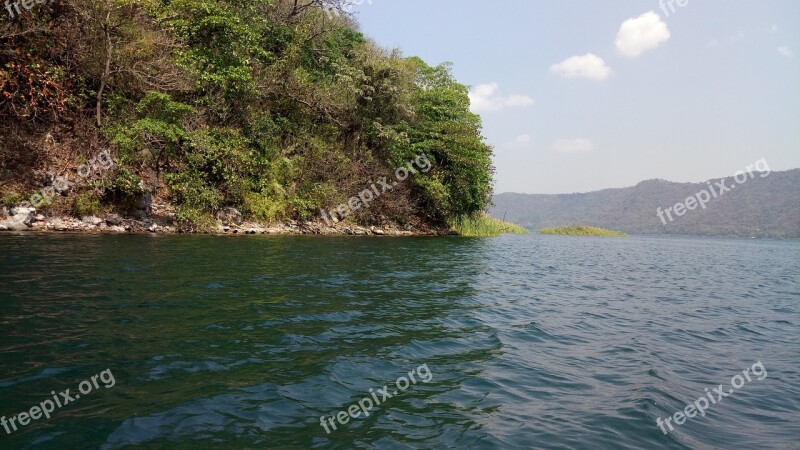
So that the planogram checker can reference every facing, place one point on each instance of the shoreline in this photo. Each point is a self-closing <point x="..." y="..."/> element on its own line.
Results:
<point x="115" y="224"/>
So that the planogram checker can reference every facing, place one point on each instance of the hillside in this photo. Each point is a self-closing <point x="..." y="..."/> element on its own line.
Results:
<point x="762" y="207"/>
<point x="188" y="111"/>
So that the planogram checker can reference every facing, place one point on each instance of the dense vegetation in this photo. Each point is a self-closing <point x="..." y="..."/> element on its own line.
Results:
<point x="274" y="107"/>
<point x="484" y="225"/>
<point x="582" y="230"/>
<point x="762" y="207"/>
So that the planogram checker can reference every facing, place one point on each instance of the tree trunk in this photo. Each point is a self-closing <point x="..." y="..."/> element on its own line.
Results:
<point x="107" y="68"/>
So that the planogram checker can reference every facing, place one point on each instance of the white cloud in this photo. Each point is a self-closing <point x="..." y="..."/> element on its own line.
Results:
<point x="640" y="34"/>
<point x="785" y="51"/>
<point x="587" y="66"/>
<point x="486" y="97"/>
<point x="519" y="141"/>
<point x="580" y="145"/>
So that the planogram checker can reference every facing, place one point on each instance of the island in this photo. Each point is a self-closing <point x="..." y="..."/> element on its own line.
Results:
<point x="582" y="230"/>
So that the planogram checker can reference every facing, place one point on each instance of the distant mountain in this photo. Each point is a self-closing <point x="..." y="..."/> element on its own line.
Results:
<point x="761" y="206"/>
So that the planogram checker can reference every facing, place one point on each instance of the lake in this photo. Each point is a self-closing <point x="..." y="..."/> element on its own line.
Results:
<point x="551" y="342"/>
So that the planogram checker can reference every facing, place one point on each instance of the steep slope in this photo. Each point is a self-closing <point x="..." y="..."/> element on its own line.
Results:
<point x="277" y="108"/>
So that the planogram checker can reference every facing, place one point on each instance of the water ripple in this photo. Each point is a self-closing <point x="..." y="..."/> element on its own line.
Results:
<point x="544" y="342"/>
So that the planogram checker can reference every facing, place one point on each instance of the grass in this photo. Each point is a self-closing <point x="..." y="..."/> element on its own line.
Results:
<point x="582" y="231"/>
<point x="485" y="226"/>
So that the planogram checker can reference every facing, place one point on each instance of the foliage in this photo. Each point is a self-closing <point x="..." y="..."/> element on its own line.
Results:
<point x="483" y="225"/>
<point x="191" y="217"/>
<point x="10" y="199"/>
<point x="156" y="131"/>
<point x="32" y="90"/>
<point x="124" y="189"/>
<point x="270" y="106"/>
<point x="582" y="231"/>
<point x="86" y="204"/>
<point x="445" y="128"/>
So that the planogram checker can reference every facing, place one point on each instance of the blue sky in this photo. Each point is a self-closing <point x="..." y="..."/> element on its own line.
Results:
<point x="576" y="97"/>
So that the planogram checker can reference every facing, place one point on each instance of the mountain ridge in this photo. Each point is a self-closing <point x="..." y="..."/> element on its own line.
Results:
<point x="763" y="206"/>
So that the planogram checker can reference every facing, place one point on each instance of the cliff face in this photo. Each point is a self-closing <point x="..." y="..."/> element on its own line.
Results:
<point x="761" y="206"/>
<point x="278" y="109"/>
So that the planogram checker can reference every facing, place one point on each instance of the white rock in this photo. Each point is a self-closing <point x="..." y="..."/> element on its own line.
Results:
<point x="92" y="220"/>
<point x="58" y="224"/>
<point x="26" y="218"/>
<point x="14" y="224"/>
<point x="22" y="210"/>
<point x="22" y="219"/>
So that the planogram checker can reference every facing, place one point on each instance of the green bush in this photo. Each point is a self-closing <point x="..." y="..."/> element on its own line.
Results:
<point x="265" y="208"/>
<point x="155" y="133"/>
<point x="123" y="190"/>
<point x="195" y="218"/>
<point x="11" y="199"/>
<point x="86" y="204"/>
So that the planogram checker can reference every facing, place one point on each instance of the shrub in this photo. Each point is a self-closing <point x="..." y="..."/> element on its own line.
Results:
<point x="123" y="190"/>
<point x="264" y="207"/>
<point x="86" y="204"/>
<point x="10" y="199"/>
<point x="157" y="132"/>
<point x="195" y="218"/>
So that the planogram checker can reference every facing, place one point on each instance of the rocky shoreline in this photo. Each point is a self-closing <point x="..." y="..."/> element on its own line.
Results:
<point x="22" y="219"/>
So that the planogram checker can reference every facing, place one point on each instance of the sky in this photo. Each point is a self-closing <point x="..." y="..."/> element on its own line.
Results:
<point x="582" y="95"/>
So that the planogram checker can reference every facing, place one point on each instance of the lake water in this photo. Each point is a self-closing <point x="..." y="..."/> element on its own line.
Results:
<point x="524" y="341"/>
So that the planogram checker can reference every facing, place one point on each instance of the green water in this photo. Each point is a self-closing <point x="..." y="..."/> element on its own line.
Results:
<point x="531" y="341"/>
